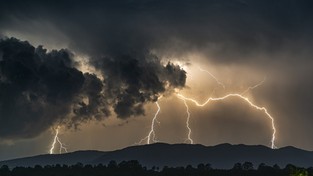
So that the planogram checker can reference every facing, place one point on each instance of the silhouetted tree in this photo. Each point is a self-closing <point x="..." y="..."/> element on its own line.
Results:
<point x="78" y="165"/>
<point x="237" y="166"/>
<point x="262" y="166"/>
<point x="208" y="167"/>
<point x="134" y="168"/>
<point x="310" y="171"/>
<point x="275" y="166"/>
<point x="112" y="164"/>
<point x="247" y="166"/>
<point x="4" y="170"/>
<point x="201" y="167"/>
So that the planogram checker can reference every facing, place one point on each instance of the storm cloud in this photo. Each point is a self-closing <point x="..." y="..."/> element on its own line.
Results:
<point x="130" y="82"/>
<point x="37" y="88"/>
<point x="130" y="43"/>
<point x="229" y="30"/>
<point x="40" y="88"/>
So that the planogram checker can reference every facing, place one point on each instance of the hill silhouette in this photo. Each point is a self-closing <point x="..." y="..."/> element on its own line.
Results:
<point x="222" y="156"/>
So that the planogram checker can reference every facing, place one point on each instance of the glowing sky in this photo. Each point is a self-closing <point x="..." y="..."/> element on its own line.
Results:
<point x="121" y="56"/>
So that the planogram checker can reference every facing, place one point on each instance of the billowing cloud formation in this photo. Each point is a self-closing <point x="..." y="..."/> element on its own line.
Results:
<point x="131" y="82"/>
<point x="257" y="37"/>
<point x="37" y="87"/>
<point x="40" y="88"/>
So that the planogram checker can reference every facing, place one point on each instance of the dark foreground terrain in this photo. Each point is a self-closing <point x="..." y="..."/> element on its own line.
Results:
<point x="174" y="155"/>
<point x="134" y="168"/>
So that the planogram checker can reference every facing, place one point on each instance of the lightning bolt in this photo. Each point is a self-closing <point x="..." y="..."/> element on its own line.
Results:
<point x="253" y="87"/>
<point x="273" y="146"/>
<point x="56" y="139"/>
<point x="151" y="135"/>
<point x="187" y="122"/>
<point x="222" y="85"/>
<point x="217" y="81"/>
<point x="187" y="107"/>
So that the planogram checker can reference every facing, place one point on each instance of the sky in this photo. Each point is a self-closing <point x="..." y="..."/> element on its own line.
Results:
<point x="95" y="70"/>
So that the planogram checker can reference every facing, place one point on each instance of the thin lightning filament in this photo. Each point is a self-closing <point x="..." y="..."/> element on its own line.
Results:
<point x="151" y="135"/>
<point x="56" y="139"/>
<point x="187" y="122"/>
<point x="242" y="98"/>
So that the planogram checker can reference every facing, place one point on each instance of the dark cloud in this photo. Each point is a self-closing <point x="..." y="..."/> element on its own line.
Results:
<point x="273" y="37"/>
<point x="132" y="81"/>
<point x="40" y="88"/>
<point x="95" y="104"/>
<point x="229" y="30"/>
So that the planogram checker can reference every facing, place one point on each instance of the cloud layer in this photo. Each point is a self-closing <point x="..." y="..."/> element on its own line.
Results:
<point x="40" y="89"/>
<point x="124" y="41"/>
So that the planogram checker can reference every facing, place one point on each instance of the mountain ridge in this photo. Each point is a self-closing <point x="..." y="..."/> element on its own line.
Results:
<point x="172" y="155"/>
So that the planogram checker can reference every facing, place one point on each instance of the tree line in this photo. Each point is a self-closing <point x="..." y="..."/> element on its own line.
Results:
<point x="134" y="168"/>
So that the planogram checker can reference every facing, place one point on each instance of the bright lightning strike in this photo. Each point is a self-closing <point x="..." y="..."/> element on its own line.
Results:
<point x="56" y="139"/>
<point x="273" y="146"/>
<point x="151" y="135"/>
<point x="187" y="122"/>
<point x="187" y="108"/>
